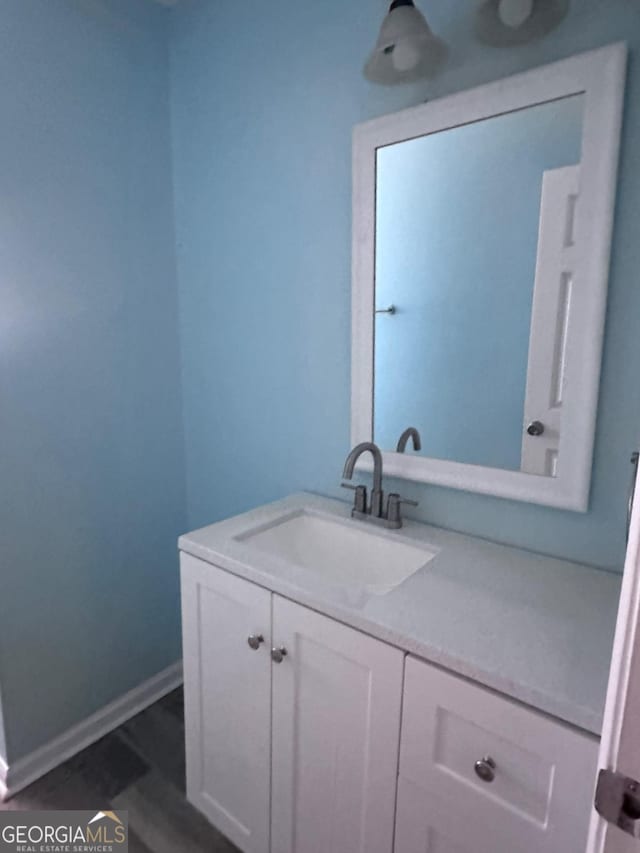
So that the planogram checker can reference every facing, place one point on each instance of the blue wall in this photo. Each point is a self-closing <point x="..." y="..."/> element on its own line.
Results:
<point x="92" y="445"/>
<point x="457" y="218"/>
<point x="263" y="101"/>
<point x="264" y="98"/>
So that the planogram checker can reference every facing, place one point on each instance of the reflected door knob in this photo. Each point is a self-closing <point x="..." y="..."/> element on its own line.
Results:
<point x="255" y="641"/>
<point x="485" y="769"/>
<point x="535" y="428"/>
<point x="278" y="655"/>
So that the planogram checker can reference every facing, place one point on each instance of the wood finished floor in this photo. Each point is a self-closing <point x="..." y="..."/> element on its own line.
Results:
<point x="140" y="768"/>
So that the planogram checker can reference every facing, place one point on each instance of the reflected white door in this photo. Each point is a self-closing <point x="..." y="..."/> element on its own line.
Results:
<point x="550" y="320"/>
<point x="620" y="745"/>
<point x="336" y="729"/>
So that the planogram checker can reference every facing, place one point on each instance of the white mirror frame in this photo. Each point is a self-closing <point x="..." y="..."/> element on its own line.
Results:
<point x="598" y="75"/>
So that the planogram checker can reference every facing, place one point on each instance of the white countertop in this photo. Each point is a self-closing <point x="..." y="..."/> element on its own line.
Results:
<point x="532" y="627"/>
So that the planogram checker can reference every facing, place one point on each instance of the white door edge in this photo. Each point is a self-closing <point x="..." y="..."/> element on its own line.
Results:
<point x="622" y="707"/>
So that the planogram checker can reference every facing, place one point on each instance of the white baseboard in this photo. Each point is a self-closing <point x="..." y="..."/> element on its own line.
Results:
<point x="18" y="774"/>
<point x="4" y="792"/>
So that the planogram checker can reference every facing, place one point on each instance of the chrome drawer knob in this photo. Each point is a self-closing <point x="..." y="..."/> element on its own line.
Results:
<point x="255" y="641"/>
<point x="485" y="769"/>
<point x="278" y="655"/>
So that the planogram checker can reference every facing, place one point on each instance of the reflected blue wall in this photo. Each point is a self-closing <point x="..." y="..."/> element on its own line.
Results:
<point x="92" y="444"/>
<point x="456" y="239"/>
<point x="264" y="98"/>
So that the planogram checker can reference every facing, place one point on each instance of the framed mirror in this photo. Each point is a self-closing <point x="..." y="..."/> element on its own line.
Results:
<point x="481" y="238"/>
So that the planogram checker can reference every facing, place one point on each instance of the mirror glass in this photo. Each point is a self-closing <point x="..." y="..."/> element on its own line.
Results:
<point x="473" y="277"/>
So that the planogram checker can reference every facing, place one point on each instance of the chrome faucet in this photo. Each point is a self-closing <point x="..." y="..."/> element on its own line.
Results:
<point x="376" y="513"/>
<point x="409" y="433"/>
<point x="375" y="509"/>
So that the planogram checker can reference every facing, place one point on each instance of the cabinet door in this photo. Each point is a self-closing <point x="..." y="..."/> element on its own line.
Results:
<point x="227" y="701"/>
<point x="336" y="726"/>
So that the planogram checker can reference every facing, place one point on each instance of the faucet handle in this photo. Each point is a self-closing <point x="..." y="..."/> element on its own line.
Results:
<point x="394" y="502"/>
<point x="360" y="498"/>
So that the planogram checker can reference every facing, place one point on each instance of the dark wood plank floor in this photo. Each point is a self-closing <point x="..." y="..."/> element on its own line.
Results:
<point x="140" y="768"/>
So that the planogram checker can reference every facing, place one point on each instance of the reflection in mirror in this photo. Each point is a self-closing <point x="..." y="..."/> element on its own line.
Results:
<point x="474" y="252"/>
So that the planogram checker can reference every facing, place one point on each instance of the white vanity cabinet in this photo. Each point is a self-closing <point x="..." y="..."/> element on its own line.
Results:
<point x="531" y="792"/>
<point x="301" y="749"/>
<point x="305" y="735"/>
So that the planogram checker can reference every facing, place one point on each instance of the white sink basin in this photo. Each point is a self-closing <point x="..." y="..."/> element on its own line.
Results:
<point x="362" y="557"/>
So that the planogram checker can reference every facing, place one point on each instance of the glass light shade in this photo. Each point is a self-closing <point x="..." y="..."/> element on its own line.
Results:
<point x="514" y="13"/>
<point x="406" y="48"/>
<point x="496" y="21"/>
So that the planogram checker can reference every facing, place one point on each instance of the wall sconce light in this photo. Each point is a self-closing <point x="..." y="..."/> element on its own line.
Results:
<point x="508" y="23"/>
<point x="406" y="49"/>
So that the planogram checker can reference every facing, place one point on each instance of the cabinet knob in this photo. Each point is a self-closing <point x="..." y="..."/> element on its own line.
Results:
<point x="278" y="655"/>
<point x="535" y="428"/>
<point x="485" y="769"/>
<point x="255" y="641"/>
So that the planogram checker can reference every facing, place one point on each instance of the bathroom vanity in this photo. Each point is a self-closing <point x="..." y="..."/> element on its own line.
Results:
<point x="356" y="689"/>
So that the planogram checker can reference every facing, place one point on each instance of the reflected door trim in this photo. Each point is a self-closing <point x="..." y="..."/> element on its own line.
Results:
<point x="598" y="75"/>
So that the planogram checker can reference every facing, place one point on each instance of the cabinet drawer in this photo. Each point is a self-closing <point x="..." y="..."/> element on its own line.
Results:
<point x="541" y="793"/>
<point x="416" y="823"/>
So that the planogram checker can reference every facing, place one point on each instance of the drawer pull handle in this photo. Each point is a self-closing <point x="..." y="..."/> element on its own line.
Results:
<point x="485" y="769"/>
